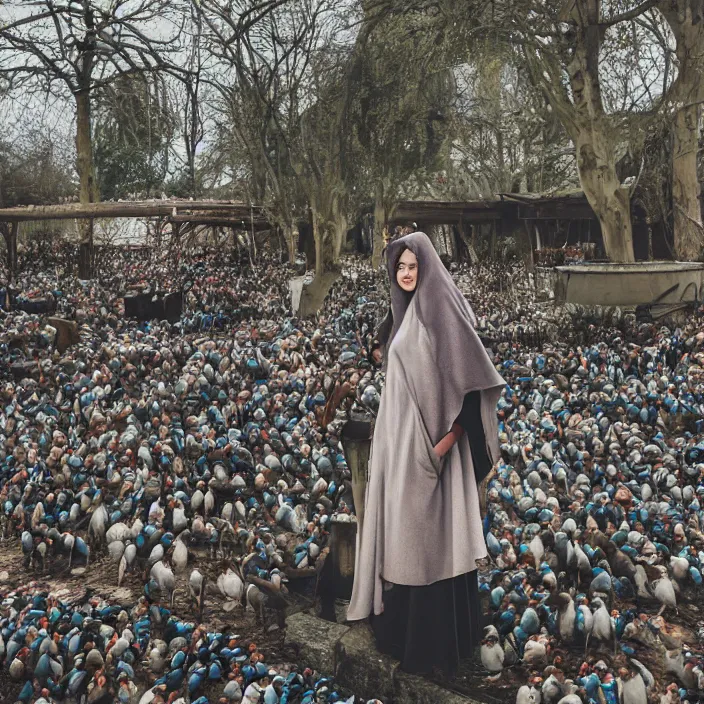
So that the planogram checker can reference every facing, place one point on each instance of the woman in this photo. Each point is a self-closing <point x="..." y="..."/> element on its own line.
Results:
<point x="435" y="437"/>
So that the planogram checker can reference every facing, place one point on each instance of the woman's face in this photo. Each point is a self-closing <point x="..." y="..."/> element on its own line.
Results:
<point x="407" y="271"/>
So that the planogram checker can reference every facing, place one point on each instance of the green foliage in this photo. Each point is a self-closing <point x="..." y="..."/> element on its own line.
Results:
<point x="402" y="91"/>
<point x="32" y="172"/>
<point x="133" y="130"/>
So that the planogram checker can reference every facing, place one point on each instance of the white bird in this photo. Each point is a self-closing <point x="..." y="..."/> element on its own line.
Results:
<point x="566" y="614"/>
<point x="240" y="510"/>
<point x="680" y="567"/>
<point x="16" y="669"/>
<point x="180" y="553"/>
<point x="161" y="573"/>
<point x="645" y="673"/>
<point x="537" y="549"/>
<point x="231" y="586"/>
<point x="98" y="524"/>
<point x="136" y="529"/>
<point x="120" y="646"/>
<point x="156" y="554"/>
<point x="642" y="582"/>
<point x="209" y="502"/>
<point x="179" y="519"/>
<point x="664" y="590"/>
<point x="232" y="691"/>
<point x="127" y="560"/>
<point x="491" y="651"/>
<point x="583" y="564"/>
<point x="118" y="531"/>
<point x="156" y="661"/>
<point x="552" y="690"/>
<point x="632" y="688"/>
<point x="228" y="512"/>
<point x="535" y="654"/>
<point x="116" y="549"/>
<point x="195" y="584"/>
<point x="588" y="623"/>
<point x="528" y="694"/>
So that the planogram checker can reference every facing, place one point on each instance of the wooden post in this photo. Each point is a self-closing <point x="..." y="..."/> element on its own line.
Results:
<point x="9" y="231"/>
<point x="356" y="443"/>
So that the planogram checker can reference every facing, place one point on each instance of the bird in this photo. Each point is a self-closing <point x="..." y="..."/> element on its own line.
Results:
<point x="179" y="556"/>
<point x="552" y="690"/>
<point x="163" y="575"/>
<point x="603" y="627"/>
<point x="535" y="653"/>
<point x="492" y="654"/>
<point x="231" y="586"/>
<point x="663" y="590"/>
<point x="584" y="622"/>
<point x="528" y="694"/>
<point x="566" y="614"/>
<point x="126" y="561"/>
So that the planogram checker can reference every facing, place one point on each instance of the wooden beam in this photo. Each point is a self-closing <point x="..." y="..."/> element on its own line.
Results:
<point x="223" y="220"/>
<point x="125" y="209"/>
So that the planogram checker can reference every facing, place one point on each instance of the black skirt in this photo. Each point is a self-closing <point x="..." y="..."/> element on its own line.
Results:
<point x="432" y="626"/>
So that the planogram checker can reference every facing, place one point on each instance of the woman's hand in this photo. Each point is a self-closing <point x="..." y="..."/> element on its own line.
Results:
<point x="448" y="441"/>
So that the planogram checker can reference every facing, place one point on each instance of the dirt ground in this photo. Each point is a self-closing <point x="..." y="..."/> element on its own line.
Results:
<point x="100" y="577"/>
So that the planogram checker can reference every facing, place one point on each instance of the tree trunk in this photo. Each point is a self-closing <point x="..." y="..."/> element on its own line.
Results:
<point x="9" y="232"/>
<point x="287" y="232"/>
<point x="686" y="190"/>
<point x="326" y="273"/>
<point x="339" y="236"/>
<point x="324" y="255"/>
<point x="611" y="204"/>
<point x="88" y="192"/>
<point x="380" y="225"/>
<point x="686" y="22"/>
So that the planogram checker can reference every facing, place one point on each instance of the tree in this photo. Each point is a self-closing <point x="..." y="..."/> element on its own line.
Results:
<point x="188" y="99"/>
<point x="562" y="44"/>
<point x="33" y="171"/>
<point x="326" y="157"/>
<point x="132" y="135"/>
<point x="76" y="47"/>
<point x="400" y="97"/>
<point x="505" y="137"/>
<point x="261" y="67"/>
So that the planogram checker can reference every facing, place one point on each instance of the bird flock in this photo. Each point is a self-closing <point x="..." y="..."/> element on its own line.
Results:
<point x="197" y="467"/>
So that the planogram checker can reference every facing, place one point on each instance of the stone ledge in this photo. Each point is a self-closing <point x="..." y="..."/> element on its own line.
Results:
<point x="315" y="640"/>
<point x="361" y="668"/>
<point x="411" y="689"/>
<point x="349" y="654"/>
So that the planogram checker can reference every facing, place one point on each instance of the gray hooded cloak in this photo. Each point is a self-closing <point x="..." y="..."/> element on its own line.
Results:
<point x="422" y="522"/>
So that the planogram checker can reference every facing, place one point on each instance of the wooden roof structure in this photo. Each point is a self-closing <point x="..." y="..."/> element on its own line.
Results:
<point x="571" y="206"/>
<point x="202" y="212"/>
